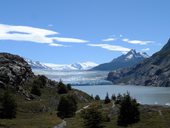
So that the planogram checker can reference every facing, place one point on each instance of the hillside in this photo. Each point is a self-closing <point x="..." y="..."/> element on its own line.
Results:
<point x="33" y="110"/>
<point x="124" y="61"/>
<point x="154" y="71"/>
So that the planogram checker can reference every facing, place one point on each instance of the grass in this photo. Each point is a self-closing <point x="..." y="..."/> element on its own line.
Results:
<point x="41" y="111"/>
<point x="30" y="114"/>
<point x="150" y="118"/>
<point x="31" y="120"/>
<point x="36" y="113"/>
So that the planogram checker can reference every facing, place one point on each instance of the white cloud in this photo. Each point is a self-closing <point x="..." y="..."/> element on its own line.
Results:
<point x="111" y="47"/>
<point x="72" y="40"/>
<point x="109" y="39"/>
<point x="32" y="34"/>
<point x="146" y="49"/>
<point x="55" y="45"/>
<point x="137" y="41"/>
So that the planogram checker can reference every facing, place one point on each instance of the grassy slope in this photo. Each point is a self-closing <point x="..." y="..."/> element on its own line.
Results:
<point x="150" y="118"/>
<point x="37" y="113"/>
<point x="30" y="114"/>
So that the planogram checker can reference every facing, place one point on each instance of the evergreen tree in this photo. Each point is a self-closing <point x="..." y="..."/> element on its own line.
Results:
<point x="62" y="89"/>
<point x="119" y="99"/>
<point x="67" y="106"/>
<point x="9" y="106"/>
<point x="107" y="99"/>
<point x="129" y="112"/>
<point x="92" y="117"/>
<point x="36" y="90"/>
<point x="113" y="97"/>
<point x="69" y="87"/>
<point x="97" y="97"/>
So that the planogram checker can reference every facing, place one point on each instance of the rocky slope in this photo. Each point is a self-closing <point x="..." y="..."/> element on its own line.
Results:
<point x="16" y="73"/>
<point x="154" y="71"/>
<point x="128" y="60"/>
<point x="14" y="70"/>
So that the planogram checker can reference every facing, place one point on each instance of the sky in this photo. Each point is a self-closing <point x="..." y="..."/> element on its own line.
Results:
<point x="69" y="31"/>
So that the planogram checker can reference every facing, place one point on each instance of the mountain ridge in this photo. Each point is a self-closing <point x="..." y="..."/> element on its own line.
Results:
<point x="50" y="66"/>
<point x="153" y="71"/>
<point x="124" y="61"/>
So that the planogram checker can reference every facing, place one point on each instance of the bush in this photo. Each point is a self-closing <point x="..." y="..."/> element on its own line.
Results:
<point x="118" y="99"/>
<point x="97" y="97"/>
<point x="62" y="89"/>
<point x="9" y="106"/>
<point x="36" y="90"/>
<point x="92" y="117"/>
<point x="107" y="99"/>
<point x="40" y="81"/>
<point x="113" y="97"/>
<point x="67" y="106"/>
<point x="129" y="112"/>
<point x="69" y="87"/>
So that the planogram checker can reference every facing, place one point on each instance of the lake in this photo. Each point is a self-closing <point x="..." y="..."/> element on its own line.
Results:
<point x="95" y="83"/>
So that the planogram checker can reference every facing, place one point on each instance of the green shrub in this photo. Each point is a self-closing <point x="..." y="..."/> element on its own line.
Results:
<point x="69" y="87"/>
<point x="67" y="106"/>
<point x="36" y="90"/>
<point x="92" y="117"/>
<point x="9" y="106"/>
<point x="97" y="97"/>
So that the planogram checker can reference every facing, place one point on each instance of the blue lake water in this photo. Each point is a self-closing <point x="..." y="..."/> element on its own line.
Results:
<point x="95" y="83"/>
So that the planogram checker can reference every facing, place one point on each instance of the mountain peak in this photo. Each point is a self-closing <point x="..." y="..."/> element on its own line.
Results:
<point x="167" y="46"/>
<point x="133" y="54"/>
<point x="132" y="51"/>
<point x="154" y="71"/>
<point x="126" y="60"/>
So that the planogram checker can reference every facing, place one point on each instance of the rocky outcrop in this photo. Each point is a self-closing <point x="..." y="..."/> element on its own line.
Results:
<point x="14" y="70"/>
<point x="154" y="71"/>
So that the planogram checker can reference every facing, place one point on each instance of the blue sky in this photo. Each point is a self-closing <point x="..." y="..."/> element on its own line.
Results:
<point x="68" y="31"/>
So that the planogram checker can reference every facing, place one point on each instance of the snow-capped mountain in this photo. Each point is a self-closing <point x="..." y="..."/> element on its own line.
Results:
<point x="124" y="61"/>
<point x="36" y="64"/>
<point x="75" y="66"/>
<point x="51" y="66"/>
<point x="132" y="54"/>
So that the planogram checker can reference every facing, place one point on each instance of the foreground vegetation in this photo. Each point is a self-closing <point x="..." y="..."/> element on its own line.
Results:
<point x="150" y="117"/>
<point x="39" y="107"/>
<point x="47" y="106"/>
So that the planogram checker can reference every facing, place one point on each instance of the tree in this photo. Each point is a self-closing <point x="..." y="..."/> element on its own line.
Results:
<point x="113" y="97"/>
<point x="107" y="99"/>
<point x="42" y="80"/>
<point x="129" y="112"/>
<point x="36" y="90"/>
<point x="62" y="89"/>
<point x="9" y="106"/>
<point x="97" y="97"/>
<point x="67" y="106"/>
<point x="118" y="99"/>
<point x="92" y="117"/>
<point x="69" y="87"/>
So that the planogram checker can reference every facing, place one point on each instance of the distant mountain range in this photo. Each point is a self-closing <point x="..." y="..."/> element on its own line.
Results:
<point x="154" y="71"/>
<point x="50" y="66"/>
<point x="124" y="61"/>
